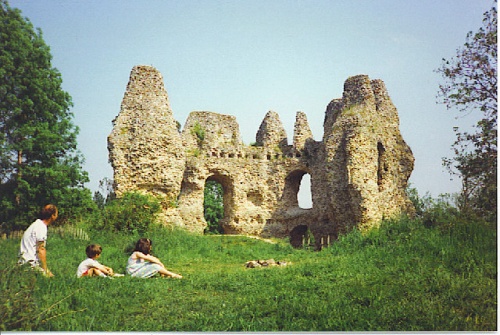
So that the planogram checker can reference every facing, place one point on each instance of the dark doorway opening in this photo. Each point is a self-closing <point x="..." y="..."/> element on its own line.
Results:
<point x="297" y="236"/>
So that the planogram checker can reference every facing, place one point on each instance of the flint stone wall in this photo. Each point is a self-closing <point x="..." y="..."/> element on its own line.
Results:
<point x="359" y="171"/>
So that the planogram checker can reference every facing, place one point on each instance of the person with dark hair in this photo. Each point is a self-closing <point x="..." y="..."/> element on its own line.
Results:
<point x="91" y="267"/>
<point x="32" y="249"/>
<point x="144" y="265"/>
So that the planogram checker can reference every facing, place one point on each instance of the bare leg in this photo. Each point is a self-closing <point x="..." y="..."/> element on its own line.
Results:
<point x="164" y="272"/>
<point x="93" y="272"/>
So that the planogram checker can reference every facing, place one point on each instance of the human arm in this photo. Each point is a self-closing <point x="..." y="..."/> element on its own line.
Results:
<point x="93" y="264"/>
<point x="42" y="256"/>
<point x="111" y="272"/>
<point x="104" y="269"/>
<point x="148" y="258"/>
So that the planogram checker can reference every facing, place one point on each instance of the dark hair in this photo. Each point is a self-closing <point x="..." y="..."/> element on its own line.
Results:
<point x="144" y="245"/>
<point x="93" y="250"/>
<point x="47" y="212"/>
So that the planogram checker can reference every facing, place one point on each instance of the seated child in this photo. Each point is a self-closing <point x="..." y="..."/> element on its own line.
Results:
<point x="142" y="264"/>
<point x="91" y="267"/>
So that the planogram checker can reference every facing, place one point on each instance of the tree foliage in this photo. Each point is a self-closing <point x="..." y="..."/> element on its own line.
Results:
<point x="105" y="194"/>
<point x="39" y="160"/>
<point x="471" y="86"/>
<point x="213" y="205"/>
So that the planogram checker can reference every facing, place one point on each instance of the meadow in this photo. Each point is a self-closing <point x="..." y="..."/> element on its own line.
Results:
<point x="401" y="277"/>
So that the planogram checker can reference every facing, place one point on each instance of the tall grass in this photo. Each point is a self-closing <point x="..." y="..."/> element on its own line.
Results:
<point x="400" y="277"/>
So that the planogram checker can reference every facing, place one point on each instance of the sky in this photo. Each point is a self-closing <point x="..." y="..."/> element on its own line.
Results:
<point x="245" y="58"/>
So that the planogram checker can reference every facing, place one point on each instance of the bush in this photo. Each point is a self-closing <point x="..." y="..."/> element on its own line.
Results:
<point x="440" y="212"/>
<point x="199" y="132"/>
<point x="134" y="213"/>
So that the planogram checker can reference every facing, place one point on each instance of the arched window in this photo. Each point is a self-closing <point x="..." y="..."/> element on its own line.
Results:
<point x="304" y="196"/>
<point x="297" y="192"/>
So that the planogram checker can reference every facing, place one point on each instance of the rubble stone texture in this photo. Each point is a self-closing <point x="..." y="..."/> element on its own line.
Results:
<point x="359" y="171"/>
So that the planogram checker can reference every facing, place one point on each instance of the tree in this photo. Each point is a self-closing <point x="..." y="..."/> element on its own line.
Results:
<point x="105" y="194"/>
<point x="39" y="160"/>
<point x="471" y="86"/>
<point x="213" y="205"/>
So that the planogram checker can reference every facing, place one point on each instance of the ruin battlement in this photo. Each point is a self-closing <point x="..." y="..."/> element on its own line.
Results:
<point x="359" y="170"/>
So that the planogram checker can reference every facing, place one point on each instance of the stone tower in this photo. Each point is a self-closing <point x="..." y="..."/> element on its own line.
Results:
<point x="359" y="171"/>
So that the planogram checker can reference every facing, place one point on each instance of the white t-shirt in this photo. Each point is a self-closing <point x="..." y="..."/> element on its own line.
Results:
<point x="35" y="233"/>
<point x="86" y="265"/>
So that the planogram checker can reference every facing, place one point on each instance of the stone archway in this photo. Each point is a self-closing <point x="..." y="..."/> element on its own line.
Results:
<point x="227" y="196"/>
<point x="213" y="206"/>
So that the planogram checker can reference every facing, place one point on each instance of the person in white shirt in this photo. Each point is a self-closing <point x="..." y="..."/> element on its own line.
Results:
<point x="91" y="267"/>
<point x="32" y="249"/>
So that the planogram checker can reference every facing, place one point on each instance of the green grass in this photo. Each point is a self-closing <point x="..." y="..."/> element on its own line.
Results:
<point x="401" y="277"/>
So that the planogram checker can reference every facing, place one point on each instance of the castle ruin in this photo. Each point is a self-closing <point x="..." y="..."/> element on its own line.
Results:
<point x="359" y="171"/>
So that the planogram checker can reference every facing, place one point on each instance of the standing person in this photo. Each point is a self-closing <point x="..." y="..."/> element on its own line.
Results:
<point x="32" y="249"/>
<point x="142" y="264"/>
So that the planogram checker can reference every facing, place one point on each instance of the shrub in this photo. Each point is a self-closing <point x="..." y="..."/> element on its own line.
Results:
<point x="440" y="212"/>
<point x="133" y="212"/>
<point x="199" y="132"/>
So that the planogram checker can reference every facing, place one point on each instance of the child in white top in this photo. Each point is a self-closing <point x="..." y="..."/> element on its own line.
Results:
<point x="91" y="267"/>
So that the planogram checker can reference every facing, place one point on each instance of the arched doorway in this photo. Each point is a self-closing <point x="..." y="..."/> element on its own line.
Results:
<point x="213" y="206"/>
<point x="217" y="202"/>
<point x="296" y="236"/>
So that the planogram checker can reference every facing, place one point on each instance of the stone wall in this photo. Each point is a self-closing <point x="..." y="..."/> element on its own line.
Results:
<point x="359" y="171"/>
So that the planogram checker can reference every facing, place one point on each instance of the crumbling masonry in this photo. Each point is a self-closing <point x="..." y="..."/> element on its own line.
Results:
<point x="359" y="171"/>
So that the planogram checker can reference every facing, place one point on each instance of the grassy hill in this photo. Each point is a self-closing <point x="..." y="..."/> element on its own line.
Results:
<point x="401" y="277"/>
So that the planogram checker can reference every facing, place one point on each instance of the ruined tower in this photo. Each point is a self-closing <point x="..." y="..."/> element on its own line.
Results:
<point x="359" y="171"/>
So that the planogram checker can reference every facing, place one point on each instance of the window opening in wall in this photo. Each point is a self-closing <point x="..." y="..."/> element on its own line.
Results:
<point x="297" y="190"/>
<point x="304" y="195"/>
<point x="382" y="166"/>
<point x="213" y="206"/>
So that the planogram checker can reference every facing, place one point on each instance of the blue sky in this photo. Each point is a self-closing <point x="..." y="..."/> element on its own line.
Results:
<point x="245" y="58"/>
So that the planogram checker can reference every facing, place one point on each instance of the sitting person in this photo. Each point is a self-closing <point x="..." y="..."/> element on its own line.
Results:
<point x="91" y="267"/>
<point x="142" y="264"/>
<point x="32" y="249"/>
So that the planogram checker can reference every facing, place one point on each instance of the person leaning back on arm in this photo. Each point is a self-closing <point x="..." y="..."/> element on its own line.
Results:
<point x="32" y="249"/>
